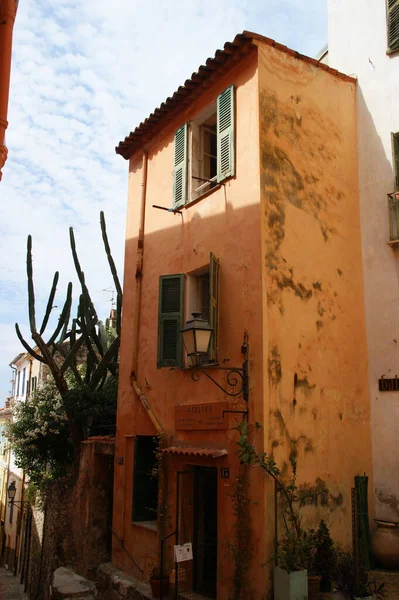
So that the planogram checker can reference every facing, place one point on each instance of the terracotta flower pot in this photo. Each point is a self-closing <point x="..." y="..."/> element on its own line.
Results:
<point x="313" y="586"/>
<point x="385" y="544"/>
<point x="156" y="585"/>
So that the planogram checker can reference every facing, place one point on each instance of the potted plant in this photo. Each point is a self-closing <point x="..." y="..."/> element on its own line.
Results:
<point x="352" y="586"/>
<point x="308" y="556"/>
<point x="325" y="559"/>
<point x="157" y="583"/>
<point x="290" y="579"/>
<point x="297" y="573"/>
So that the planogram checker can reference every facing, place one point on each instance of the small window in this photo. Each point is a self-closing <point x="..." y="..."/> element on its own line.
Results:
<point x="23" y="381"/>
<point x="204" y="150"/>
<point x="203" y="157"/>
<point x="145" y="483"/>
<point x="202" y="291"/>
<point x="393" y="25"/>
<point x="202" y="297"/>
<point x="18" y="381"/>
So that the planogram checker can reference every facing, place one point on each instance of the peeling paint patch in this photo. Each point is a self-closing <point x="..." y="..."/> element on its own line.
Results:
<point x="304" y="383"/>
<point x="389" y="500"/>
<point x="274" y="366"/>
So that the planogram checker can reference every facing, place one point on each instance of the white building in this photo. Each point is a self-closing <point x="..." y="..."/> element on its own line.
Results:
<point x="363" y="41"/>
<point x="27" y="375"/>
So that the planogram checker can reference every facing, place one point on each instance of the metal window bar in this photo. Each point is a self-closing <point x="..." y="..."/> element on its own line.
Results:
<point x="208" y="182"/>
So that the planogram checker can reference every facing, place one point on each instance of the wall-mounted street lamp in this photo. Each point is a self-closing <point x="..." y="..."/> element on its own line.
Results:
<point x="197" y="335"/>
<point x="11" y="491"/>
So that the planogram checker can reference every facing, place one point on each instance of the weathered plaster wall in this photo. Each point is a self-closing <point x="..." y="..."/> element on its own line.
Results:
<point x="227" y="223"/>
<point x="357" y="44"/>
<point x="317" y="395"/>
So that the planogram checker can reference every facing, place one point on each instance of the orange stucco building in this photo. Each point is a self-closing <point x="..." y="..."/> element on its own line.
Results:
<point x="255" y="158"/>
<point x="8" y="11"/>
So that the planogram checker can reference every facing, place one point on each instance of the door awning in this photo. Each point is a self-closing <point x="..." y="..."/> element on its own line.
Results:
<point x="185" y="451"/>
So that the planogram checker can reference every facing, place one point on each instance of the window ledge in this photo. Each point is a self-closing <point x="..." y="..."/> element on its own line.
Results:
<point x="150" y="525"/>
<point x="213" y="365"/>
<point x="202" y="196"/>
<point x="392" y="50"/>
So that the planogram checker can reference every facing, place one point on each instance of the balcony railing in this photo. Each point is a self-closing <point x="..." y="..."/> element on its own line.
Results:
<point x="393" y="217"/>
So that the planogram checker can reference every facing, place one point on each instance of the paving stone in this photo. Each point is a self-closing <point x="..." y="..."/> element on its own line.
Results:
<point x="10" y="588"/>
<point x="391" y="580"/>
<point x="68" y="584"/>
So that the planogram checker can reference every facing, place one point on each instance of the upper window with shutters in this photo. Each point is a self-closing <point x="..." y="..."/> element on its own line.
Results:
<point x="204" y="151"/>
<point x="393" y="25"/>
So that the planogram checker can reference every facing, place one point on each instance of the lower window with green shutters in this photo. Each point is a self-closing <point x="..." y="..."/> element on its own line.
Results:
<point x="145" y="484"/>
<point x="202" y="295"/>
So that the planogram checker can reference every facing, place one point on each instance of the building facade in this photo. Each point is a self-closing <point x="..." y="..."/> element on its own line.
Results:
<point x="27" y="375"/>
<point x="366" y="44"/>
<point x="254" y="161"/>
<point x="8" y="11"/>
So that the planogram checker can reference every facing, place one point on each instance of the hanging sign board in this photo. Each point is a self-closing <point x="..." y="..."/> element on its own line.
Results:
<point x="183" y="552"/>
<point x="388" y="385"/>
<point x="201" y="416"/>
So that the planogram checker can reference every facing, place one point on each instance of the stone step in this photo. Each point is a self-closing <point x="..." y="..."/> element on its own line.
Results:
<point x="192" y="596"/>
<point x="68" y="585"/>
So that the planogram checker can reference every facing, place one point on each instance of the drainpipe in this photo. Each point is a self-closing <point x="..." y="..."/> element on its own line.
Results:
<point x="8" y="11"/>
<point x="136" y="310"/>
<point x="139" y="266"/>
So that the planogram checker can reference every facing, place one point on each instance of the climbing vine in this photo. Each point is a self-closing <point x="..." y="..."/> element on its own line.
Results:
<point x="240" y="549"/>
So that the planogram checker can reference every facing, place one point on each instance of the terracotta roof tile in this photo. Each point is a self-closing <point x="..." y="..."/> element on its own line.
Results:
<point x="186" y="451"/>
<point x="232" y="51"/>
<point x="105" y="439"/>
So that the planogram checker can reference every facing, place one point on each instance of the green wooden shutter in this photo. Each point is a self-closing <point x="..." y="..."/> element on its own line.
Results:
<point x="213" y="306"/>
<point x="180" y="168"/>
<point x="395" y="150"/>
<point x="393" y="24"/>
<point x="170" y="320"/>
<point x="225" y="134"/>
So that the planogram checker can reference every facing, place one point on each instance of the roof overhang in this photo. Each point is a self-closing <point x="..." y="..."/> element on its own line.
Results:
<point x="223" y="60"/>
<point x="200" y="452"/>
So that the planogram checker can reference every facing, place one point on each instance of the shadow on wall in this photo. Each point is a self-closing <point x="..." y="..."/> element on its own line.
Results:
<point x="381" y="281"/>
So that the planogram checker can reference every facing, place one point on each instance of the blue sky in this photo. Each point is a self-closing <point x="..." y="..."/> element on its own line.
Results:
<point x="83" y="76"/>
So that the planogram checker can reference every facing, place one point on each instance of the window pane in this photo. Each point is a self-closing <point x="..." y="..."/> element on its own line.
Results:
<point x="145" y="485"/>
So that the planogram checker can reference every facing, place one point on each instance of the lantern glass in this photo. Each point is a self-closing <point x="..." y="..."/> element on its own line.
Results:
<point x="189" y="341"/>
<point x="11" y="491"/>
<point x="196" y="336"/>
<point x="202" y="338"/>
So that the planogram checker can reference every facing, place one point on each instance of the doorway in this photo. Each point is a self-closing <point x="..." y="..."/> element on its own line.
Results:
<point x="196" y="518"/>
<point x="205" y="531"/>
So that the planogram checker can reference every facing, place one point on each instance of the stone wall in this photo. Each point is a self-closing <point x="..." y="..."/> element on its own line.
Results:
<point x="74" y="529"/>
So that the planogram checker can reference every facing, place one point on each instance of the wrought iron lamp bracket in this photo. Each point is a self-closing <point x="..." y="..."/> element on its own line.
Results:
<point x="234" y="377"/>
<point x="21" y="504"/>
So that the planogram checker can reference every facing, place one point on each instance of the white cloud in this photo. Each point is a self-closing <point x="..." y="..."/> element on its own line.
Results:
<point x="83" y="76"/>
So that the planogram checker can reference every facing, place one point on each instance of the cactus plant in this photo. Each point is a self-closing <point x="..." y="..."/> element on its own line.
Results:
<point x="86" y="338"/>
